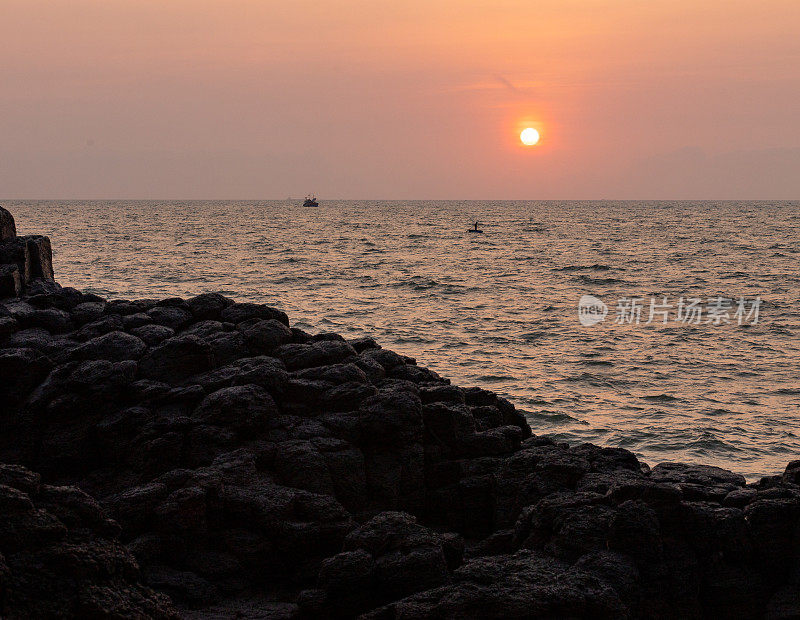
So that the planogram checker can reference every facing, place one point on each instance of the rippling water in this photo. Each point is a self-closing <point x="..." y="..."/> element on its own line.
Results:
<point x="499" y="309"/>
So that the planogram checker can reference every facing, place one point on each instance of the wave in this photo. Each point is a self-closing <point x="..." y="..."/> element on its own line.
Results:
<point x="594" y="267"/>
<point x="557" y="417"/>
<point x="661" y="398"/>
<point x="600" y="281"/>
<point x="495" y="378"/>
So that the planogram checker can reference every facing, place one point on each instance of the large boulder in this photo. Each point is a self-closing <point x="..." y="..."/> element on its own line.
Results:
<point x="176" y="359"/>
<point x="265" y="335"/>
<point x="170" y="316"/>
<point x="238" y="312"/>
<point x="207" y="306"/>
<point x="240" y="408"/>
<point x="87" y="312"/>
<point x="322" y="353"/>
<point x="23" y="260"/>
<point x="8" y="229"/>
<point x="41" y="257"/>
<point x="113" y="346"/>
<point x="267" y="372"/>
<point x="32" y="256"/>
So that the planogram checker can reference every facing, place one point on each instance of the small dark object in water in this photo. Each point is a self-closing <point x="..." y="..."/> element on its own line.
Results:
<point x="475" y="229"/>
<point x="310" y="201"/>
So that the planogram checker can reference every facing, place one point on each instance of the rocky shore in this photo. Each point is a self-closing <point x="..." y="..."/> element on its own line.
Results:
<point x="201" y="458"/>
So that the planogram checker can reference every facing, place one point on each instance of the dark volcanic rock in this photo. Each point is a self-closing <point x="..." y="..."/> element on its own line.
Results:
<point x="87" y="312"/>
<point x="792" y="473"/>
<point x="705" y="475"/>
<point x="256" y="469"/>
<point x="523" y="585"/>
<point x="8" y="325"/>
<point x="60" y="557"/>
<point x="208" y="306"/>
<point x="15" y="252"/>
<point x="170" y="316"/>
<point x="8" y="229"/>
<point x="152" y="334"/>
<point x="299" y="356"/>
<point x="389" y="557"/>
<point x="98" y="327"/>
<point x="265" y="335"/>
<point x="124" y="307"/>
<point x="30" y="255"/>
<point x="11" y="281"/>
<point x="113" y="346"/>
<point x="41" y="257"/>
<point x="176" y="359"/>
<point x="241" y="408"/>
<point x="267" y="372"/>
<point x="21" y="371"/>
<point x="238" y="312"/>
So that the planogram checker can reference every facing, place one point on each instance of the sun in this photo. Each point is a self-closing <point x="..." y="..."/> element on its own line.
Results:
<point x="529" y="136"/>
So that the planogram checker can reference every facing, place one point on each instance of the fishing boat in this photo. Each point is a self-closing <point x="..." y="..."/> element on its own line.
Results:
<point x="310" y="201"/>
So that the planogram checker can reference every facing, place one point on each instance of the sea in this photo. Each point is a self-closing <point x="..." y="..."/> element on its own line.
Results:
<point x="671" y="329"/>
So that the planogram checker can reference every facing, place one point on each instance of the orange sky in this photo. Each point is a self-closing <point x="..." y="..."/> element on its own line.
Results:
<point x="401" y="99"/>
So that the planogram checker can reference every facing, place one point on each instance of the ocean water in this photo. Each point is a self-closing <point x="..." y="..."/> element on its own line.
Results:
<point x="500" y="309"/>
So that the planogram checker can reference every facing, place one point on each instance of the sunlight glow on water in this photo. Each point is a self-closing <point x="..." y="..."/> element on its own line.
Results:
<point x="499" y="309"/>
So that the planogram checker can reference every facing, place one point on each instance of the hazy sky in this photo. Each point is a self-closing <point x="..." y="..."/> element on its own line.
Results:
<point x="399" y="99"/>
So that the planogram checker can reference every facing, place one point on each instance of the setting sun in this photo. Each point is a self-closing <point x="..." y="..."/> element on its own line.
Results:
<point x="529" y="136"/>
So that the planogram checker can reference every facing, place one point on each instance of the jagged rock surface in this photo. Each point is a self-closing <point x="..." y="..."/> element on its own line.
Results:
<point x="60" y="557"/>
<point x="257" y="468"/>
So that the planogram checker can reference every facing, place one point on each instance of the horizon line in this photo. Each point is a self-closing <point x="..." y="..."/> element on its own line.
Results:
<point x="293" y="198"/>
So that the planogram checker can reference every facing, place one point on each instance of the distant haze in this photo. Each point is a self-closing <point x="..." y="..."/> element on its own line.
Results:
<point x="405" y="99"/>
